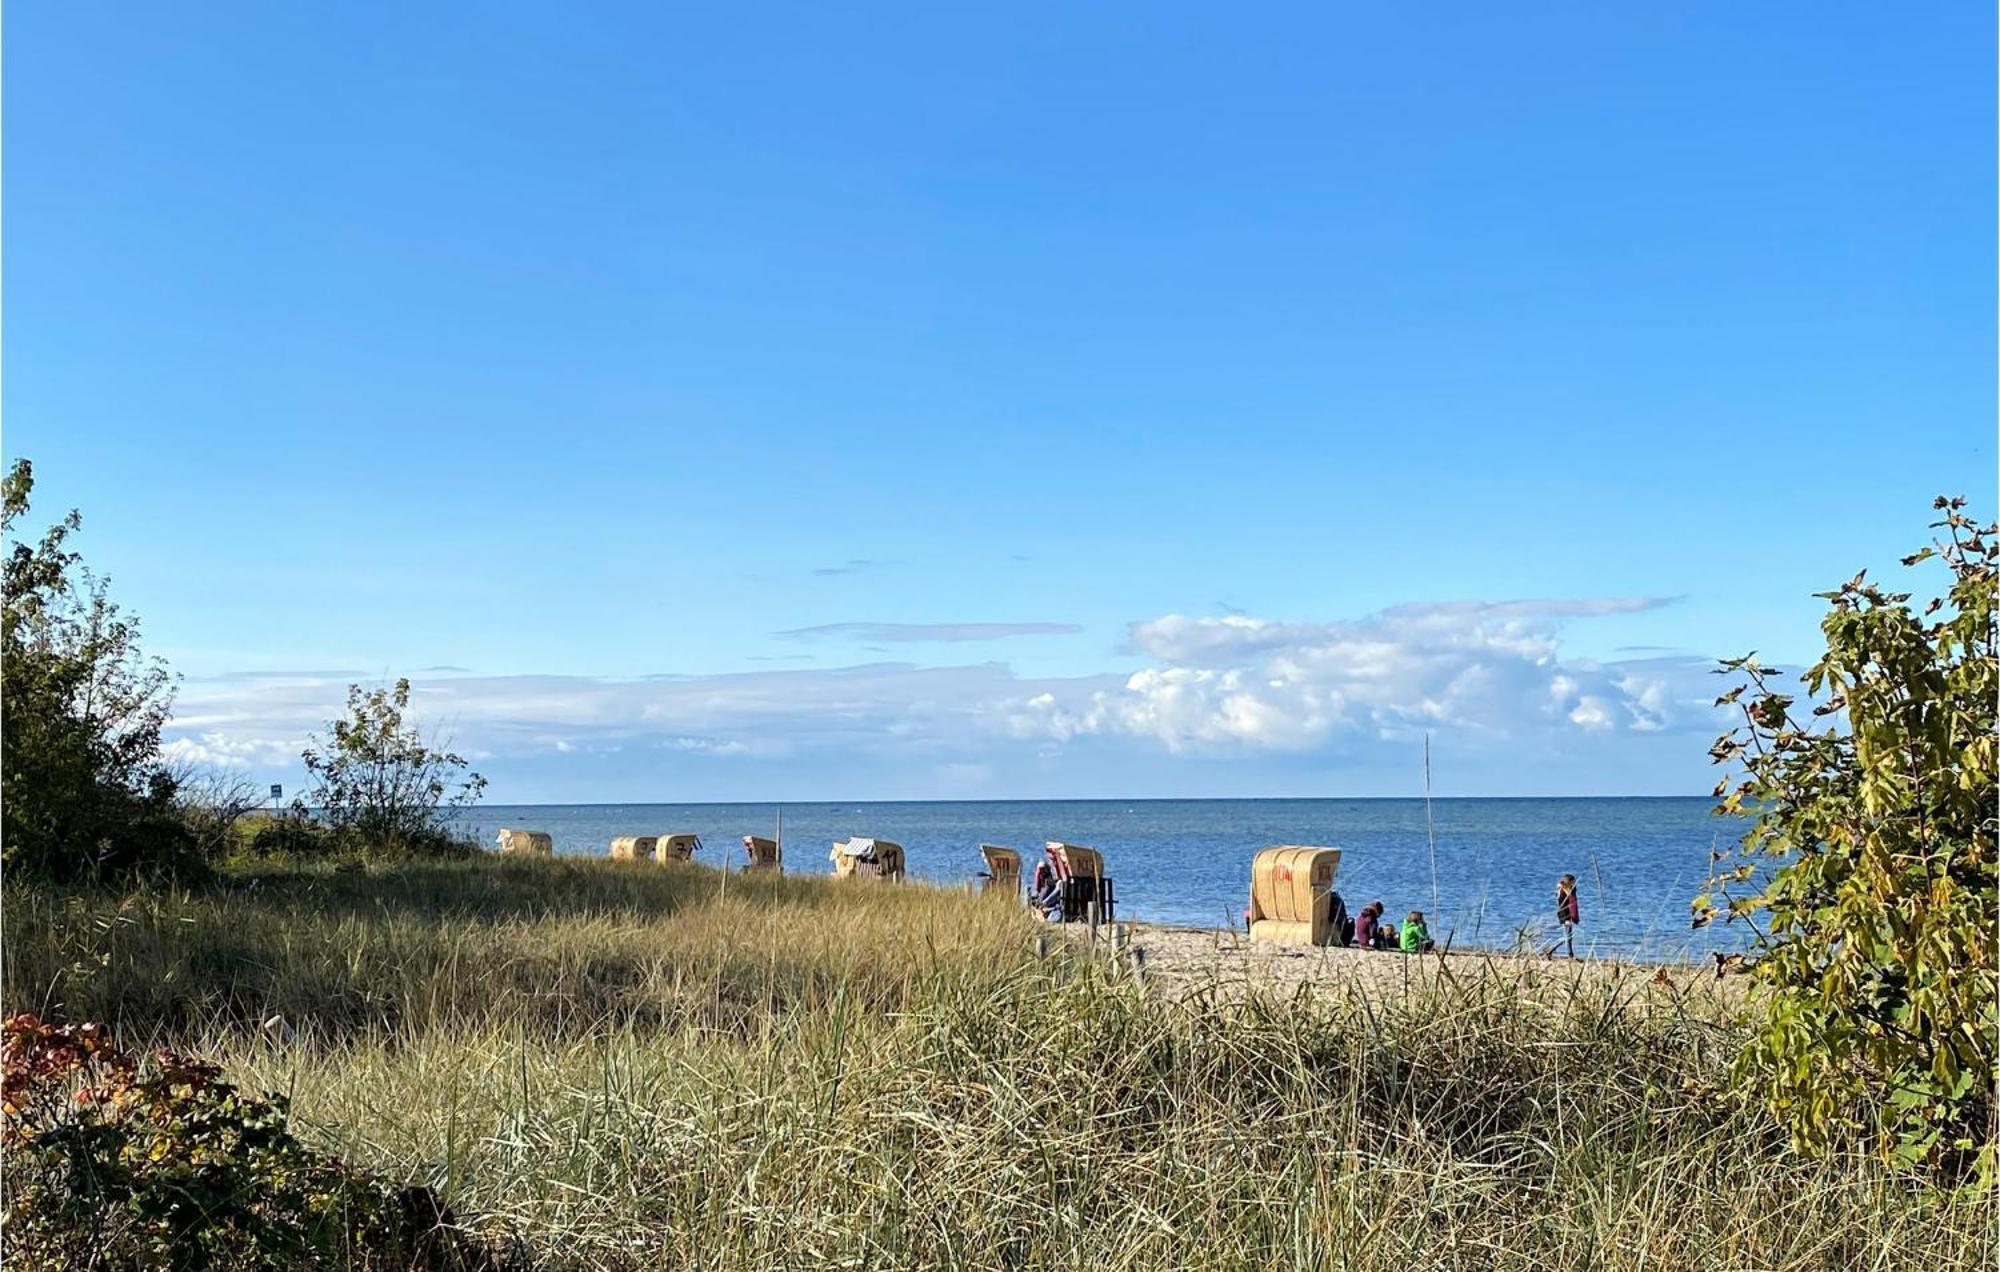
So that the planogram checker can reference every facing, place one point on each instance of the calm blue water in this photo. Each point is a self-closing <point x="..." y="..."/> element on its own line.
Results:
<point x="1637" y="861"/>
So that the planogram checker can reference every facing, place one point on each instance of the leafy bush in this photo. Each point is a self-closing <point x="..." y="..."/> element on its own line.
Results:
<point x="82" y="711"/>
<point x="1875" y="965"/>
<point x="381" y="785"/>
<point x="110" y="1163"/>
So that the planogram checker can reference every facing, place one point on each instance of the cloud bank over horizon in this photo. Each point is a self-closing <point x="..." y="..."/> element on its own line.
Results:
<point x="1235" y="705"/>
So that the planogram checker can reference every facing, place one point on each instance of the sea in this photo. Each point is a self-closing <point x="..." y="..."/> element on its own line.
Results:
<point x="1638" y="861"/>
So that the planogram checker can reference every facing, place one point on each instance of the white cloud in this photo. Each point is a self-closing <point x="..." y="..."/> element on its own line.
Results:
<point x="216" y="748"/>
<point x="1491" y="677"/>
<point x="1489" y="669"/>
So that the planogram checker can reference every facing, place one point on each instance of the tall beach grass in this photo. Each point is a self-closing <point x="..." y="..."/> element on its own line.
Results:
<point x="623" y="1066"/>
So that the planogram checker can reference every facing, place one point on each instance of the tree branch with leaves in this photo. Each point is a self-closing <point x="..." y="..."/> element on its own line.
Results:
<point x="1874" y="965"/>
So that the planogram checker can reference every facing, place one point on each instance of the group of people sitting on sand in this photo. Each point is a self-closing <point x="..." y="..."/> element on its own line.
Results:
<point x="1370" y="931"/>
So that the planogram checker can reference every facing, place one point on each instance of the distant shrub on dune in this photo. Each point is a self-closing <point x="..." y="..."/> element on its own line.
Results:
<point x="380" y="785"/>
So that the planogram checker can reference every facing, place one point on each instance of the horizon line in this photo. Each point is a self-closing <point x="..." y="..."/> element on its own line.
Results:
<point x="1047" y="799"/>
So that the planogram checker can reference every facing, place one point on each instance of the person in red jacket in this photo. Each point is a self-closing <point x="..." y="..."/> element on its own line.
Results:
<point x="1569" y="913"/>
<point x="1365" y="924"/>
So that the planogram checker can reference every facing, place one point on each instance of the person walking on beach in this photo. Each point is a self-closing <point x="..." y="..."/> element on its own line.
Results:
<point x="1568" y="913"/>
<point x="1416" y="938"/>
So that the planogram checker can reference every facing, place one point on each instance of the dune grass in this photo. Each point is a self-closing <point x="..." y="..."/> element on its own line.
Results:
<point x="620" y="1066"/>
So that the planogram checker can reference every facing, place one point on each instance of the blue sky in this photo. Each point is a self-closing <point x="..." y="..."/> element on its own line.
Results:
<point x="794" y="402"/>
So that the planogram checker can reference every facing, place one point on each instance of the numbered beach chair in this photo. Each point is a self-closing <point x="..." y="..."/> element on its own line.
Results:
<point x="525" y="843"/>
<point x="877" y="860"/>
<point x="632" y="847"/>
<point x="1003" y="869"/>
<point x="763" y="854"/>
<point x="1080" y="872"/>
<point x="676" y="848"/>
<point x="1292" y="900"/>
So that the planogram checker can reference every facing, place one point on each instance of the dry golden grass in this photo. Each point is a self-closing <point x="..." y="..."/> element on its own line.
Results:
<point x="616" y="1066"/>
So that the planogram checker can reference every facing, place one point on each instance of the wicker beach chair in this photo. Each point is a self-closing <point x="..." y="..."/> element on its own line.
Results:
<point x="1291" y="895"/>
<point x="676" y="848"/>
<point x="1086" y="889"/>
<point x="1003" y="869"/>
<point x="526" y="843"/>
<point x="879" y="860"/>
<point x="763" y="854"/>
<point x="632" y="847"/>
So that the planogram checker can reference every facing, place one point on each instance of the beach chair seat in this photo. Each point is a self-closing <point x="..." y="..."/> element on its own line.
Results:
<point x="1291" y="896"/>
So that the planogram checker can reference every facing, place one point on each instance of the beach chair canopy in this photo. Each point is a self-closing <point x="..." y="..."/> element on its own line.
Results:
<point x="632" y="847"/>
<point x="1074" y="861"/>
<point x="1291" y="895"/>
<point x="762" y="853"/>
<point x="677" y="848"/>
<point x="1001" y="862"/>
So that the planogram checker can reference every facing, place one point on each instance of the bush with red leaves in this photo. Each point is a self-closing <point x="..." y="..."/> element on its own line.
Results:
<point x="112" y="1163"/>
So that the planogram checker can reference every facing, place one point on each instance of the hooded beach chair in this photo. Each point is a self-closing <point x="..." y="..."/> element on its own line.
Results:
<point x="763" y="854"/>
<point x="1080" y="873"/>
<point x="676" y="848"/>
<point x="632" y="847"/>
<point x="859" y="858"/>
<point x="1292" y="897"/>
<point x="526" y="843"/>
<point x="1003" y="869"/>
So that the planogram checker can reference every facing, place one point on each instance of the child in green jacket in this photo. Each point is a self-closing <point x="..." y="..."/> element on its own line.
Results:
<point x="1416" y="938"/>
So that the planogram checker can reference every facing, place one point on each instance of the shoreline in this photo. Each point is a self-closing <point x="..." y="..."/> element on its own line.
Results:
<point x="1186" y="958"/>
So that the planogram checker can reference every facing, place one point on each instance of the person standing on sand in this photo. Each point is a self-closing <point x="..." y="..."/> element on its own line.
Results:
<point x="1569" y="913"/>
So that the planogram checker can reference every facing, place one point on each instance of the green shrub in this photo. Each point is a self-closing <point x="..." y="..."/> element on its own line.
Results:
<point x="82" y="709"/>
<point x="111" y="1163"/>
<point x="381" y="785"/>
<point x="1875" y="961"/>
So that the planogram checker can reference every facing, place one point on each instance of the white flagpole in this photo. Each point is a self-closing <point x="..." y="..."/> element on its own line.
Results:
<point x="1430" y="831"/>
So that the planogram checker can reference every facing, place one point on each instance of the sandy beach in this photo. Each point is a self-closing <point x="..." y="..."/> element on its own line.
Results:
<point x="1189" y="959"/>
